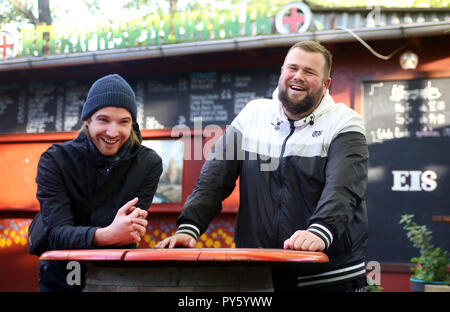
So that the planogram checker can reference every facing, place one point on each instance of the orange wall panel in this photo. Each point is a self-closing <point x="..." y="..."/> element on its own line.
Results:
<point x="18" y="167"/>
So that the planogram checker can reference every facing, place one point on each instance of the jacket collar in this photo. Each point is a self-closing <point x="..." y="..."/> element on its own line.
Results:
<point x="280" y="117"/>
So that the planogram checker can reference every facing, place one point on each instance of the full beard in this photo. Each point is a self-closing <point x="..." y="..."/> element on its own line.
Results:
<point x="302" y="106"/>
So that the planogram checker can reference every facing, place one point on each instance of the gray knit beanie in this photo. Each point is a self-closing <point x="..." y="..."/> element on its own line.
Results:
<point x="111" y="90"/>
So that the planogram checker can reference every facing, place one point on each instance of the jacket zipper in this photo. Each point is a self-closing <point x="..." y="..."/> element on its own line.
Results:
<point x="283" y="147"/>
<point x="280" y="181"/>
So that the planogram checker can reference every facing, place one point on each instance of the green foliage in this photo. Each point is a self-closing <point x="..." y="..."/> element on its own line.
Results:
<point x="93" y="6"/>
<point x="372" y="287"/>
<point x="433" y="262"/>
<point x="11" y="14"/>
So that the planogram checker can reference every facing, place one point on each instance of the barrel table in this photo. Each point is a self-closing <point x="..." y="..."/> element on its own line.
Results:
<point x="182" y="269"/>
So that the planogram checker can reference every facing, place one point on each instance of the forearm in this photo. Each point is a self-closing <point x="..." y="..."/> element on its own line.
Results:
<point x="102" y="237"/>
<point x="71" y="237"/>
<point x="346" y="182"/>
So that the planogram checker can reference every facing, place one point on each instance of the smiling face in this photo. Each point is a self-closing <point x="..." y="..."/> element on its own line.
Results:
<point x="109" y="128"/>
<point x="302" y="82"/>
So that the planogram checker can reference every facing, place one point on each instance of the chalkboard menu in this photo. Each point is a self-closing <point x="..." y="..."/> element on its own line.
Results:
<point x="408" y="131"/>
<point x="215" y="97"/>
<point x="12" y="108"/>
<point x="163" y="101"/>
<point x="41" y="107"/>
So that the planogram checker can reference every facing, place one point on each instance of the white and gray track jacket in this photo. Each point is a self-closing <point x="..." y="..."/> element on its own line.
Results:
<point x="310" y="174"/>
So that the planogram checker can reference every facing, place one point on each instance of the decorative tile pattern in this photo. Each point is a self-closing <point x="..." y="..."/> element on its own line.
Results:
<point x="13" y="232"/>
<point x="218" y="235"/>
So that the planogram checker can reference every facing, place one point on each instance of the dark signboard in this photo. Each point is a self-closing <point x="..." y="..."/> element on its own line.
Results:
<point x="408" y="131"/>
<point x="163" y="101"/>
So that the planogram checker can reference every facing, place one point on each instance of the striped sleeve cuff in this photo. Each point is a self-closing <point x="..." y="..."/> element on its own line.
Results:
<point x="322" y="232"/>
<point x="189" y="229"/>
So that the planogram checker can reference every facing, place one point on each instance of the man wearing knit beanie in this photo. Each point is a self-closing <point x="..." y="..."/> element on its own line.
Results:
<point x="111" y="90"/>
<point x="94" y="191"/>
<point x="112" y="97"/>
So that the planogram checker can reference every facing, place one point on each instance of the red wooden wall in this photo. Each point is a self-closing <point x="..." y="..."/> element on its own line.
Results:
<point x="18" y="204"/>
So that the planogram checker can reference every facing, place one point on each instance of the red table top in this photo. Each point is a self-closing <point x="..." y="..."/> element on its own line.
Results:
<point x="187" y="254"/>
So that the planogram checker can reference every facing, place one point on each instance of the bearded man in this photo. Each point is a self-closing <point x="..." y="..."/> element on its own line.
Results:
<point x="302" y="161"/>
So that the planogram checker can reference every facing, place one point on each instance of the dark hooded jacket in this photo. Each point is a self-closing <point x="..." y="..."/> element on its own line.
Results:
<point x="309" y="174"/>
<point x="68" y="177"/>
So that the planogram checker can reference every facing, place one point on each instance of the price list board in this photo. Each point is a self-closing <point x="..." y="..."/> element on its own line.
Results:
<point x="12" y="108"/>
<point x="213" y="97"/>
<point x="163" y="101"/>
<point x="42" y="107"/>
<point x="407" y="126"/>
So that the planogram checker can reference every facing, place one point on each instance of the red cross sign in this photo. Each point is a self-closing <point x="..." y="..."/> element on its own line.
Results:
<point x="7" y="45"/>
<point x="293" y="18"/>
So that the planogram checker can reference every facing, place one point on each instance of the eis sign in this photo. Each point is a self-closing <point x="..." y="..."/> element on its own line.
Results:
<point x="414" y="180"/>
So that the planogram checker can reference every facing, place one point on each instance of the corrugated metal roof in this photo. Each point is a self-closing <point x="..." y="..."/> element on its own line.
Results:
<point x="377" y="16"/>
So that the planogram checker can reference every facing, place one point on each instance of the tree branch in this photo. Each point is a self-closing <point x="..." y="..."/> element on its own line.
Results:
<point x="25" y="11"/>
